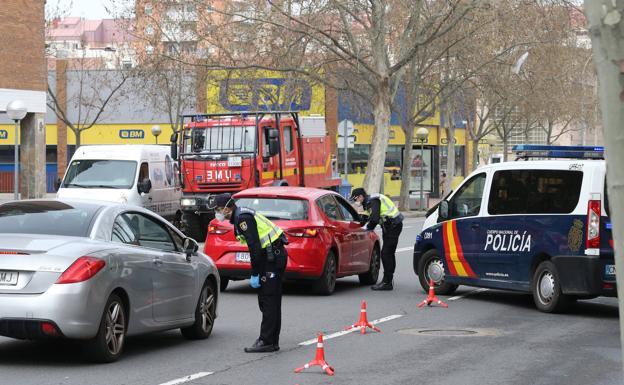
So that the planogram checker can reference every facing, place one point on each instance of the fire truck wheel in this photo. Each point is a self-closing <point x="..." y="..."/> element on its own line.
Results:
<point x="194" y="227"/>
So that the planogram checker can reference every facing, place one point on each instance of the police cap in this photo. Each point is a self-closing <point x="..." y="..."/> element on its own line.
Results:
<point x="223" y="200"/>
<point x="357" y="192"/>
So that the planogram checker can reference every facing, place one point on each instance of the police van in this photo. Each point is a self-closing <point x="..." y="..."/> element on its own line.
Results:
<point x="535" y="226"/>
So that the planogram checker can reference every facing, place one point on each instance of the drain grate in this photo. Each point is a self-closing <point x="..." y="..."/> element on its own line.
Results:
<point x="441" y="332"/>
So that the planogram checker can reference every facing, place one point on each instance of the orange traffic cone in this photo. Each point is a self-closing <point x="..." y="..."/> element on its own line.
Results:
<point x="431" y="297"/>
<point x="363" y="322"/>
<point x="319" y="359"/>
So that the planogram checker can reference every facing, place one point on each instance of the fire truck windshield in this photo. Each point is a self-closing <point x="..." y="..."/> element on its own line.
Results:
<point x="220" y="139"/>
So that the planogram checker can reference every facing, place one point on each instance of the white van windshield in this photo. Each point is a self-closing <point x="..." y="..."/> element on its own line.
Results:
<point x="225" y="139"/>
<point x="88" y="173"/>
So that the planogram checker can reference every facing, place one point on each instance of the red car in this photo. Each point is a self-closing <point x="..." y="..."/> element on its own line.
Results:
<point x="326" y="239"/>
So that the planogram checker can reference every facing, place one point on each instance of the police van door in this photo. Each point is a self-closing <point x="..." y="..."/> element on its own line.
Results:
<point x="461" y="232"/>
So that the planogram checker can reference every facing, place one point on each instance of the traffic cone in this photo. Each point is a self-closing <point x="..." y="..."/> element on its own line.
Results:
<point x="319" y="359"/>
<point x="363" y="322"/>
<point x="431" y="297"/>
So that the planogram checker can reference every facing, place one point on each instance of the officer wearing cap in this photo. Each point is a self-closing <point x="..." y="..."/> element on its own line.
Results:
<point x="268" y="262"/>
<point x="381" y="210"/>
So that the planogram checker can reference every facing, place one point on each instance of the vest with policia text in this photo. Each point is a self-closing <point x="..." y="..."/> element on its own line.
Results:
<point x="267" y="231"/>
<point x="387" y="209"/>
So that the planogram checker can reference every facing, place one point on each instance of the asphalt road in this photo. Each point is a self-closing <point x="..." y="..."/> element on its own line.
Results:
<point x="484" y="337"/>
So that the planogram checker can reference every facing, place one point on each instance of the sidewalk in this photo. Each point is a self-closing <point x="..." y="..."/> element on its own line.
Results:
<point x="6" y="197"/>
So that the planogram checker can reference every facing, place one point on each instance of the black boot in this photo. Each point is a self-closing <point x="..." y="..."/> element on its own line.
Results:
<point x="384" y="285"/>
<point x="261" y="347"/>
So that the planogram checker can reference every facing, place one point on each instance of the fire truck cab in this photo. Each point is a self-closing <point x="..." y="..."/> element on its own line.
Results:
<point x="235" y="151"/>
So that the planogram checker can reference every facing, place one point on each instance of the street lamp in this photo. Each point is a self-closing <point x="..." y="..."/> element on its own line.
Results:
<point x="422" y="134"/>
<point x="156" y="130"/>
<point x="16" y="110"/>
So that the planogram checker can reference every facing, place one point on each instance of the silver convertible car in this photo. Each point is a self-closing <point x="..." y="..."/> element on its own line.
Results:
<point x="98" y="272"/>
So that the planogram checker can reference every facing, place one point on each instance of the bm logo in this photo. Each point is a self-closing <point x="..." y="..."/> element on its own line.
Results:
<point x="131" y="134"/>
<point x="4" y="134"/>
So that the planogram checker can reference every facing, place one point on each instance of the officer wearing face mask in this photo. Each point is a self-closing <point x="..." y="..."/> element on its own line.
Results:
<point x="381" y="210"/>
<point x="268" y="262"/>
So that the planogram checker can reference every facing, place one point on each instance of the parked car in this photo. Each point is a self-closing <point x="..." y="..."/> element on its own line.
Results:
<point x="140" y="175"/>
<point x="98" y="272"/>
<point x="326" y="238"/>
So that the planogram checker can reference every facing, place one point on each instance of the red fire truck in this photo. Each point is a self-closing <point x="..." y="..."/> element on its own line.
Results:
<point x="235" y="151"/>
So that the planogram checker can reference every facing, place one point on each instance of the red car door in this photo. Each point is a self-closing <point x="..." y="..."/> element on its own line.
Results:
<point x="360" y="241"/>
<point x="341" y="231"/>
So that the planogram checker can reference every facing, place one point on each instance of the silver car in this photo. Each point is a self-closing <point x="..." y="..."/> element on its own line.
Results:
<point x="98" y="272"/>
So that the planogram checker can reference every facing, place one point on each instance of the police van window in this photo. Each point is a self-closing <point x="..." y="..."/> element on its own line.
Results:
<point x="328" y="204"/>
<point x="467" y="201"/>
<point x="288" y="139"/>
<point x="534" y="191"/>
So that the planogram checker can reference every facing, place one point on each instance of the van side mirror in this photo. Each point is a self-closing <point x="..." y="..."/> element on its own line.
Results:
<point x="144" y="186"/>
<point x="174" y="146"/>
<point x="190" y="248"/>
<point x="443" y="212"/>
<point x="57" y="184"/>
<point x="273" y="141"/>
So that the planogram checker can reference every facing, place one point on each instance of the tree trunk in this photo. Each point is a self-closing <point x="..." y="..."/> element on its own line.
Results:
<point x="505" y="144"/>
<point x="379" y="145"/>
<point x="408" y="129"/>
<point x="609" y="51"/>
<point x="77" y="133"/>
<point x="450" y="158"/>
<point x="475" y="153"/>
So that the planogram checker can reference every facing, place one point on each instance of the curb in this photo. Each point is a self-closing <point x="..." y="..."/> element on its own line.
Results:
<point x="413" y="214"/>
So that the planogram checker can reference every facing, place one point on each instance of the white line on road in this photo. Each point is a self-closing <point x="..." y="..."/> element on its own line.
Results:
<point x="402" y="249"/>
<point x="342" y="333"/>
<point x="467" y="294"/>
<point x="187" y="378"/>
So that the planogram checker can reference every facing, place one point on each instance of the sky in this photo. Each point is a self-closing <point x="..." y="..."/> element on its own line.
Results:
<point x="89" y="9"/>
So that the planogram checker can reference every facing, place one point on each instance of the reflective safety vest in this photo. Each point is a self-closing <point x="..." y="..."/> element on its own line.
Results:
<point x="268" y="232"/>
<point x="387" y="209"/>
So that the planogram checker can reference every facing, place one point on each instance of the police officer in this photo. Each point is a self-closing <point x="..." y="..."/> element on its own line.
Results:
<point x="381" y="210"/>
<point x="268" y="262"/>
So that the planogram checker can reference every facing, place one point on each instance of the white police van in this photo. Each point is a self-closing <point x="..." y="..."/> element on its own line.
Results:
<point x="538" y="226"/>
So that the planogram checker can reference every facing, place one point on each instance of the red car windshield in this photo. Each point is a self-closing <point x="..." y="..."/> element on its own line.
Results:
<point x="277" y="208"/>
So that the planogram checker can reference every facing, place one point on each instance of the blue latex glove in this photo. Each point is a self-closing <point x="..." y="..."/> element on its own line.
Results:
<point x="254" y="281"/>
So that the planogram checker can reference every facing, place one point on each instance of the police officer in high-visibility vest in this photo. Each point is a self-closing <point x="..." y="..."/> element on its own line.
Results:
<point x="268" y="262"/>
<point x="381" y="210"/>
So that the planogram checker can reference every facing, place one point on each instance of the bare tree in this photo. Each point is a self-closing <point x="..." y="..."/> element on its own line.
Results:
<point x="91" y="94"/>
<point x="606" y="26"/>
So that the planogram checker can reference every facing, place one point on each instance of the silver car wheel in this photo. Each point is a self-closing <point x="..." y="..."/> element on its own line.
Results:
<point x="207" y="302"/>
<point x="435" y="271"/>
<point x="546" y="287"/>
<point x="115" y="327"/>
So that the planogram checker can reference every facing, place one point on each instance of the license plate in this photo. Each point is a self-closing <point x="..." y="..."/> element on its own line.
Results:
<point x="243" y="257"/>
<point x="610" y="269"/>
<point x="8" y="278"/>
<point x="235" y="161"/>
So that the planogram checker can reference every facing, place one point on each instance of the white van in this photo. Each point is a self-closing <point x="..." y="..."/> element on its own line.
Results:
<point x="141" y="175"/>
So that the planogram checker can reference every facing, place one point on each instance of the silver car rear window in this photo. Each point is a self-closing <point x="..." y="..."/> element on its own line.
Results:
<point x="47" y="217"/>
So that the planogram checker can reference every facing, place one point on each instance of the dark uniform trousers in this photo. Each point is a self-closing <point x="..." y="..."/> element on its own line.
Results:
<point x="390" y="236"/>
<point x="270" y="301"/>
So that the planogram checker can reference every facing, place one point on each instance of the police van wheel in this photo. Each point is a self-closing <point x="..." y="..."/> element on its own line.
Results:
<point x="372" y="275"/>
<point x="327" y="283"/>
<point x="430" y="267"/>
<point x="546" y="289"/>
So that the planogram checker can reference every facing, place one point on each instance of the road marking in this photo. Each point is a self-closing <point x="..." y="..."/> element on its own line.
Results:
<point x="402" y="249"/>
<point x="467" y="294"/>
<point x="187" y="378"/>
<point x="344" y="332"/>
